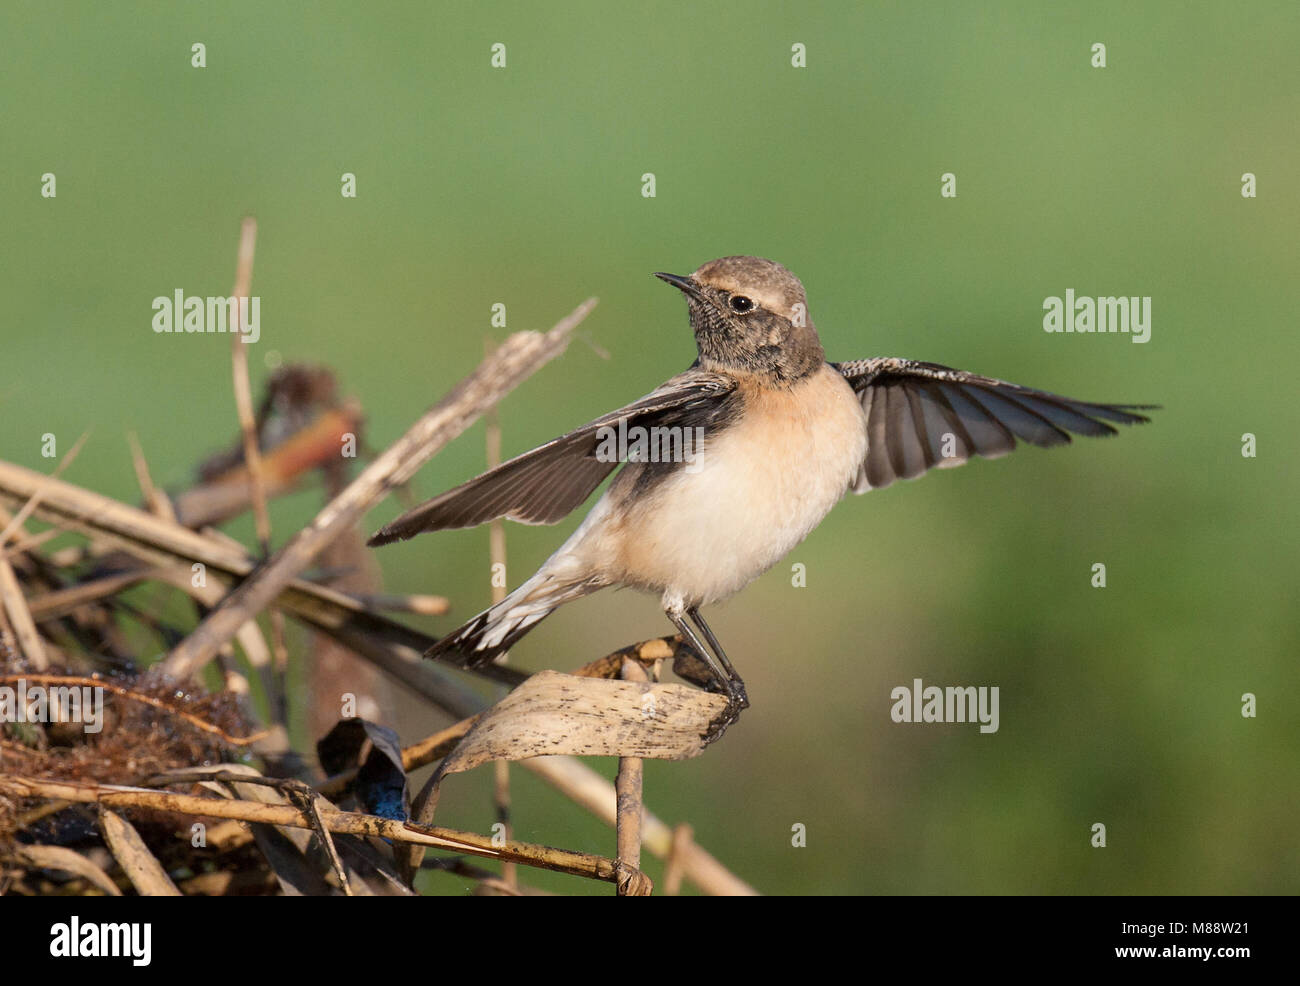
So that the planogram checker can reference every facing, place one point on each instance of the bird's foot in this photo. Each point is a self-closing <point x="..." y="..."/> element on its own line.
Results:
<point x="736" y="694"/>
<point x="737" y="702"/>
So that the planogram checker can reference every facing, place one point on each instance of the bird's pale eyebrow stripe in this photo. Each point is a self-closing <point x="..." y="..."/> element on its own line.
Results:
<point x="759" y="295"/>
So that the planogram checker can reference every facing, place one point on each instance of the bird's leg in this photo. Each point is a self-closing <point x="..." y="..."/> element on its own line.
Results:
<point x="730" y="683"/>
<point x="693" y="641"/>
<point x="735" y="686"/>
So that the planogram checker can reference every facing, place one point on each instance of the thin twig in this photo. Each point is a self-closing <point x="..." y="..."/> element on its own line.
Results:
<point x="157" y="502"/>
<point x="630" y="807"/>
<point x="62" y="602"/>
<point x="311" y="805"/>
<point x="30" y="543"/>
<point x="243" y="390"/>
<point x="352" y="823"/>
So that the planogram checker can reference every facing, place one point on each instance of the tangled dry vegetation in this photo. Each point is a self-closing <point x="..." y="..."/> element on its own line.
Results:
<point x="178" y="788"/>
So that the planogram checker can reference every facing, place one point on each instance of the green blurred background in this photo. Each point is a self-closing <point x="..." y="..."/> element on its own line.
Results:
<point x="523" y="185"/>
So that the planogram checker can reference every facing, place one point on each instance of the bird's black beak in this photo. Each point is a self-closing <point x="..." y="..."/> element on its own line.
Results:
<point x="685" y="284"/>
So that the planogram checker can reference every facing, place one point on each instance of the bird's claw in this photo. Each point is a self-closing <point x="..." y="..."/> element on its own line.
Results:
<point x="737" y="702"/>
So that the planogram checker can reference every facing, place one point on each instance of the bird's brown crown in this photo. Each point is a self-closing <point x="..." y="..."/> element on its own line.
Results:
<point x="764" y="281"/>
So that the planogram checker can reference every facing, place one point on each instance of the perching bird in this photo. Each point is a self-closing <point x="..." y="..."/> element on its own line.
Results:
<point x="784" y="435"/>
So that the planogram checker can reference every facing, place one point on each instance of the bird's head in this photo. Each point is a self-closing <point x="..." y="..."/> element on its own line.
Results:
<point x="750" y="315"/>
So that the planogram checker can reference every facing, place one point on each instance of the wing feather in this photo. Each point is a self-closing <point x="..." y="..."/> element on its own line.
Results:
<point x="918" y="411"/>
<point x="544" y="485"/>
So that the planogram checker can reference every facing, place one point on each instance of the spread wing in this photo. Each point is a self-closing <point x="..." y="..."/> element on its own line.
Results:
<point x="923" y="416"/>
<point x="544" y="485"/>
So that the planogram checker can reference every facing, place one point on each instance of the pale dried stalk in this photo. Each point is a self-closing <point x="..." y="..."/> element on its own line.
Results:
<point x="26" y="635"/>
<point x="138" y="862"/>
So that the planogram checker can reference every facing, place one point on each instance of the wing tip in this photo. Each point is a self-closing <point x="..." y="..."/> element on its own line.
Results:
<point x="1130" y="412"/>
<point x="395" y="531"/>
<point x="380" y="538"/>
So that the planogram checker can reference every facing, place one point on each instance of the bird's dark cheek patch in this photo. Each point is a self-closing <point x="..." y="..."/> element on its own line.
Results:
<point x="707" y="318"/>
<point x="716" y="332"/>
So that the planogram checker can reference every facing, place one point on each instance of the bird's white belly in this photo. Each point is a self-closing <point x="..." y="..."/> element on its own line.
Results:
<point x="756" y="491"/>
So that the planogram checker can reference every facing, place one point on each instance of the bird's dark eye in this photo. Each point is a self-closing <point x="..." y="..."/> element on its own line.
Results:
<point x="740" y="304"/>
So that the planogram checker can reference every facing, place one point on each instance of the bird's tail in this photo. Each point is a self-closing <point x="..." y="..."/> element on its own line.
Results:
<point x="495" y="630"/>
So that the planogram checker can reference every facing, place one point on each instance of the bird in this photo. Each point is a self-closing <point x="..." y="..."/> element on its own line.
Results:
<point x="769" y="436"/>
